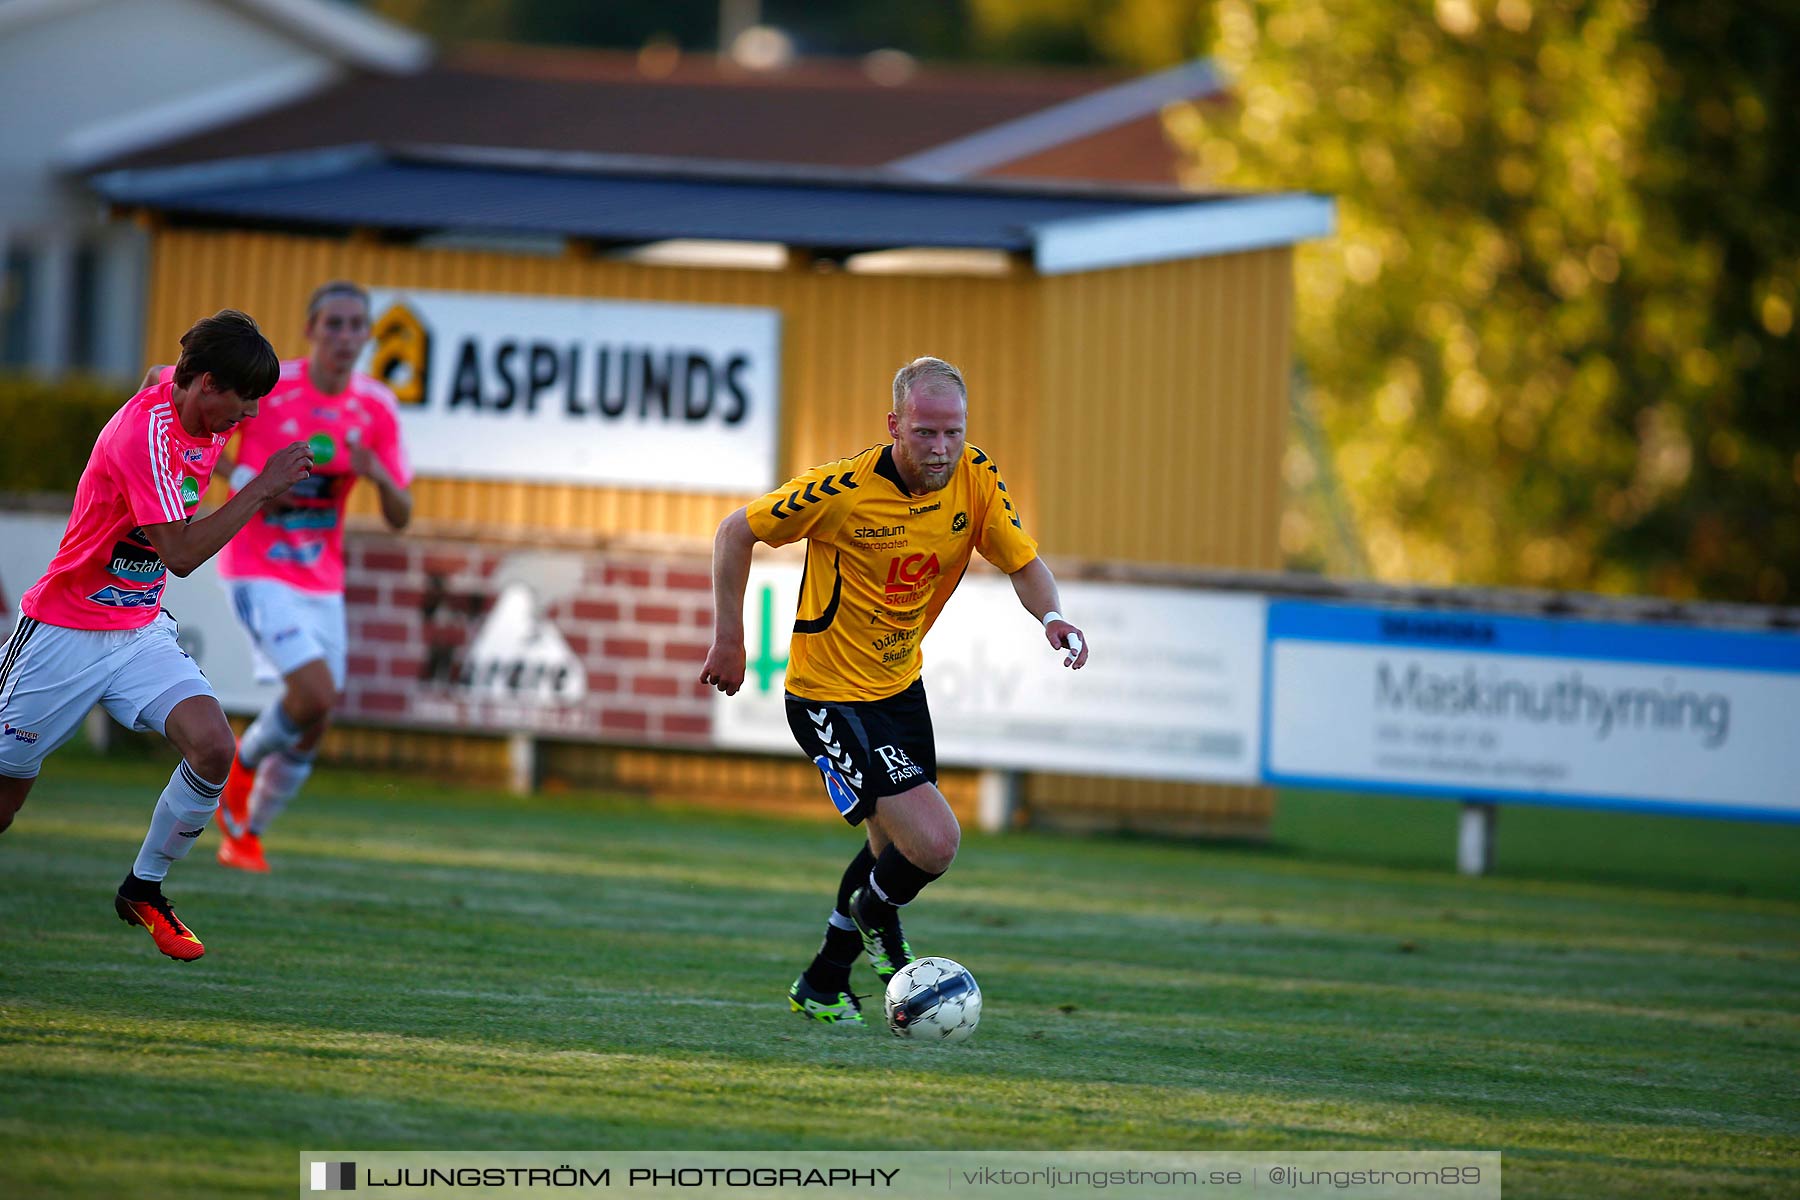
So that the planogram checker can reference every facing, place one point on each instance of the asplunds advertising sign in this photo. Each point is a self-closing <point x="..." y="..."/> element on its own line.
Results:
<point x="581" y="391"/>
<point x="1499" y="707"/>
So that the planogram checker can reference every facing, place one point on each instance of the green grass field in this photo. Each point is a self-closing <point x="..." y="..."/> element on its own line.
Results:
<point x="435" y="967"/>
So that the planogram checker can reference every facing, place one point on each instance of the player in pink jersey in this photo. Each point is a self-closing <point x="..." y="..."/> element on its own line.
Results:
<point x="92" y="630"/>
<point x="286" y="569"/>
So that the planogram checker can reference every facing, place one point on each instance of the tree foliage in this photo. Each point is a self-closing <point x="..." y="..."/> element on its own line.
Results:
<point x="1552" y="342"/>
<point x="623" y="25"/>
<point x="1132" y="33"/>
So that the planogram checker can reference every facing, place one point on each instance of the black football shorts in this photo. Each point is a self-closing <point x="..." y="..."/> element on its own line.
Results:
<point x="867" y="749"/>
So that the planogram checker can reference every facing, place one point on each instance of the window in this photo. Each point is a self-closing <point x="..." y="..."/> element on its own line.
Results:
<point x="15" y="308"/>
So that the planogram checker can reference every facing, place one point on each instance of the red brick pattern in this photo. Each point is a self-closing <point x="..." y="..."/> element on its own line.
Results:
<point x="638" y="623"/>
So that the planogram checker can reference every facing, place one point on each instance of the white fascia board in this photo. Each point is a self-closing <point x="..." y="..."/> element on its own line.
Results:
<point x="194" y="114"/>
<point x="1059" y="124"/>
<point x="1196" y="230"/>
<point x="358" y="38"/>
<point x="148" y="185"/>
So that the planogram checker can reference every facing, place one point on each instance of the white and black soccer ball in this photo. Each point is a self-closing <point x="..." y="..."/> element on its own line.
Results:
<point x="933" y="1000"/>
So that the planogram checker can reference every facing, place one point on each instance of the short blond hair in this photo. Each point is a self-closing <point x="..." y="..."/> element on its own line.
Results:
<point x="927" y="373"/>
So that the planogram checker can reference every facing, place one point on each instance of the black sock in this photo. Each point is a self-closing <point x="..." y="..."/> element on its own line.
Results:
<point x="898" y="878"/>
<point x="855" y="875"/>
<point x="830" y="969"/>
<point x="139" y="889"/>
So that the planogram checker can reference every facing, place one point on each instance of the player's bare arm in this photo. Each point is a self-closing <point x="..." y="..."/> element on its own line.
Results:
<point x="226" y="468"/>
<point x="1036" y="589"/>
<point x="184" y="545"/>
<point x="732" y="547"/>
<point x="396" y="501"/>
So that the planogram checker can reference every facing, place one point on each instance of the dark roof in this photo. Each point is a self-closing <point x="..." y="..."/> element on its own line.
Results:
<point x="427" y="189"/>
<point x="419" y="190"/>
<point x="822" y="113"/>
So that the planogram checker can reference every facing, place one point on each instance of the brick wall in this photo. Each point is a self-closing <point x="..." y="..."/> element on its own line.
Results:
<point x="637" y="625"/>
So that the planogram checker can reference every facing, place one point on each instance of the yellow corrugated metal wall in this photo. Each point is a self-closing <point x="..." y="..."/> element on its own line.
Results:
<point x="1163" y="408"/>
<point x="1162" y="424"/>
<point x="1138" y="413"/>
<point x="843" y="336"/>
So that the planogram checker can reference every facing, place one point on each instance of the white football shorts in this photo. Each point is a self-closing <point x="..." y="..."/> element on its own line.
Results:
<point x="50" y="677"/>
<point x="290" y="628"/>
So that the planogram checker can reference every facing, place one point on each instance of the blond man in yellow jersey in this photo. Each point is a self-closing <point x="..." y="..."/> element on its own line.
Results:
<point x="889" y="533"/>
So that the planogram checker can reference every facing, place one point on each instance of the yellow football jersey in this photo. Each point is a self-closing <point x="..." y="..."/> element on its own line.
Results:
<point x="881" y="563"/>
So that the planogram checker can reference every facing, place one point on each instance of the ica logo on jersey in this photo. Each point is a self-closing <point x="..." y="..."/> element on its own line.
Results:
<point x="910" y="572"/>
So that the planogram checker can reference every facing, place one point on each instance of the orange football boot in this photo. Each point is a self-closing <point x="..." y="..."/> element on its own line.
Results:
<point x="166" y="930"/>
<point x="245" y="853"/>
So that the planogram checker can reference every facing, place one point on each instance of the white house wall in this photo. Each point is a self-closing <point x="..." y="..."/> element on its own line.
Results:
<point x="87" y="65"/>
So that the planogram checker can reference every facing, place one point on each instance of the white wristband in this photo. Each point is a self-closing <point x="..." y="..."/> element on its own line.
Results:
<point x="241" y="475"/>
<point x="1050" y="616"/>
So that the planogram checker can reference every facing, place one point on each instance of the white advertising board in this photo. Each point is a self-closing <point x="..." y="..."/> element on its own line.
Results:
<point x="1524" y="708"/>
<point x="199" y="603"/>
<point x="493" y="386"/>
<point x="1171" y="690"/>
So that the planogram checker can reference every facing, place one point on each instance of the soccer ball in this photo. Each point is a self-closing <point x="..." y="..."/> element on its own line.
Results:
<point x="933" y="1000"/>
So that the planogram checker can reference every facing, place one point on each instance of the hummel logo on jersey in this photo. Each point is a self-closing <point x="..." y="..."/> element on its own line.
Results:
<point x="832" y="485"/>
<point x="833" y="751"/>
<point x="1011" y="513"/>
<point x="898" y="765"/>
<point x="922" y="509"/>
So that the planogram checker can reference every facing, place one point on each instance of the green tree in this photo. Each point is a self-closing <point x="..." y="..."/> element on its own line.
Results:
<point x="622" y="24"/>
<point x="1552" y="342"/>
<point x="1130" y="33"/>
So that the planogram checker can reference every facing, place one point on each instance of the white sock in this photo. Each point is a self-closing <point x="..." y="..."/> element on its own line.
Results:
<point x="180" y="817"/>
<point x="278" y="780"/>
<point x="270" y="733"/>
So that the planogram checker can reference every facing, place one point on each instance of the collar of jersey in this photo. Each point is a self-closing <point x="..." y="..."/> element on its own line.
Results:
<point x="888" y="469"/>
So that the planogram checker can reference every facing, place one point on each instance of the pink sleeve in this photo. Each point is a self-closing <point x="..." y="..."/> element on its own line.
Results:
<point x="391" y="453"/>
<point x="166" y="375"/>
<point x="145" y="472"/>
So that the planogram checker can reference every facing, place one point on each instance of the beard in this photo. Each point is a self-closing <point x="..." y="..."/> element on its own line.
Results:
<point x="925" y="476"/>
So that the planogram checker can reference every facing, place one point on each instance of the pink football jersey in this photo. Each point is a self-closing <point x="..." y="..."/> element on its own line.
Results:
<point x="301" y="543"/>
<point x="145" y="470"/>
